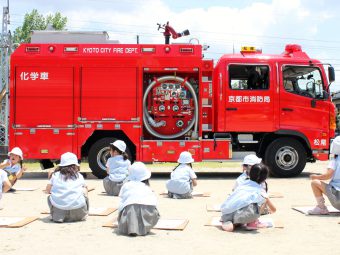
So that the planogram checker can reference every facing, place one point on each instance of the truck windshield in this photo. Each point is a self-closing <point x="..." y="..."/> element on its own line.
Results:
<point x="303" y="80"/>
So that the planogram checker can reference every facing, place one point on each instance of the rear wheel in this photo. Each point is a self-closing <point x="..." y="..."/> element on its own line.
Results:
<point x="99" y="154"/>
<point x="286" y="157"/>
<point x="46" y="164"/>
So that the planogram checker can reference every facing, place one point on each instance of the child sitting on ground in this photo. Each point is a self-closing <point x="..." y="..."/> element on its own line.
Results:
<point x="137" y="209"/>
<point x="13" y="166"/>
<point x="68" y="201"/>
<point x="243" y="205"/>
<point x="117" y="168"/>
<point x="183" y="178"/>
<point x="248" y="162"/>
<point x="331" y="190"/>
<point x="5" y="184"/>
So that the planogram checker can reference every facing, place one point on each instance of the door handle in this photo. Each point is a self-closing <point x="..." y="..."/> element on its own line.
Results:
<point x="287" y="109"/>
<point x="231" y="109"/>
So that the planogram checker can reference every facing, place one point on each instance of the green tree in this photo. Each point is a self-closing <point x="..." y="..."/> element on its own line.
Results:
<point x="36" y="21"/>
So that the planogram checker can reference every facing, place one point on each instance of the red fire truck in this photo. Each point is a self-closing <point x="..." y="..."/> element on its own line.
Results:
<point x="72" y="95"/>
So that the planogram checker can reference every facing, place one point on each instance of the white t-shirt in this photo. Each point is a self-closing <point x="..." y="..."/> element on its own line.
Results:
<point x="335" y="165"/>
<point x="180" y="179"/>
<point x="134" y="192"/>
<point x="243" y="178"/>
<point x="118" y="168"/>
<point x="67" y="195"/>
<point x="248" y="193"/>
<point x="3" y="178"/>
<point x="12" y="168"/>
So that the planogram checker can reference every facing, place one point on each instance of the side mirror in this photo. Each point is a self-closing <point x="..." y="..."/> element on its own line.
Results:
<point x="331" y="74"/>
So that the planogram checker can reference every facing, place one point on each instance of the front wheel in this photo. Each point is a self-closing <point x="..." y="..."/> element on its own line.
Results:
<point x="286" y="157"/>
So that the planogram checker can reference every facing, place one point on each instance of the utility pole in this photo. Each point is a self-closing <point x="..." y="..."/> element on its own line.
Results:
<point x="5" y="50"/>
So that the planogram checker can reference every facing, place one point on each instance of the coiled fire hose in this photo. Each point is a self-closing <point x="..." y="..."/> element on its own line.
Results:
<point x="148" y="120"/>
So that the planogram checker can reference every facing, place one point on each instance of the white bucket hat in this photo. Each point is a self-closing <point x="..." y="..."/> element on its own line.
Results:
<point x="251" y="160"/>
<point x="335" y="146"/>
<point x="120" y="145"/>
<point x="16" y="151"/>
<point x="138" y="172"/>
<point x="185" y="158"/>
<point x="68" y="159"/>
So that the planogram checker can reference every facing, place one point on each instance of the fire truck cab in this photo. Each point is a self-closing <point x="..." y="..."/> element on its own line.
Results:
<point x="79" y="94"/>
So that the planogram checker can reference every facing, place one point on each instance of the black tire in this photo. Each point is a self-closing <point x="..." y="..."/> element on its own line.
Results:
<point x="46" y="164"/>
<point x="98" y="155"/>
<point x="286" y="157"/>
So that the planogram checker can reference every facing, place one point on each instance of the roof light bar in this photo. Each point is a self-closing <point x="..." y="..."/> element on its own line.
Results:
<point x="250" y="49"/>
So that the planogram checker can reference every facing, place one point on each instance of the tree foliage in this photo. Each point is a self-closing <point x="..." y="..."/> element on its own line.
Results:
<point x="36" y="21"/>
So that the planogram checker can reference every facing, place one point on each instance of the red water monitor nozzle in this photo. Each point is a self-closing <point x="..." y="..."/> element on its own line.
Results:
<point x="169" y="31"/>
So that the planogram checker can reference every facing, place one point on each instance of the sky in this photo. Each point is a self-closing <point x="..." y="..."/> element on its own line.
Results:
<point x="224" y="25"/>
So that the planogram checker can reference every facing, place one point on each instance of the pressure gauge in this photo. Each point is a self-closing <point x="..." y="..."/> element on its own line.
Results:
<point x="164" y="86"/>
<point x="171" y="86"/>
<point x="173" y="94"/>
<point x="179" y="123"/>
<point x="175" y="108"/>
<point x="177" y="86"/>
<point x="161" y="108"/>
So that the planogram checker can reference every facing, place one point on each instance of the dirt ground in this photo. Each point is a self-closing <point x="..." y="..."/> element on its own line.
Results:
<point x="301" y="234"/>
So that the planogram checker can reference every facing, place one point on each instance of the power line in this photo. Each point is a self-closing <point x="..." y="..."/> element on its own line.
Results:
<point x="217" y="41"/>
<point x="206" y="32"/>
<point x="179" y="6"/>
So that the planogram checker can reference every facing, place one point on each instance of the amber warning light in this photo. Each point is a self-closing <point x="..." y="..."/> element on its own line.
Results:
<point x="250" y="49"/>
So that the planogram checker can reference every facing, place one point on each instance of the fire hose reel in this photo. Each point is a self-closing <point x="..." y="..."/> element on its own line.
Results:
<point x="170" y="108"/>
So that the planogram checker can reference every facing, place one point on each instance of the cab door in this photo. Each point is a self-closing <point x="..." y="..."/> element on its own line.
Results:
<point x="303" y="104"/>
<point x="249" y="105"/>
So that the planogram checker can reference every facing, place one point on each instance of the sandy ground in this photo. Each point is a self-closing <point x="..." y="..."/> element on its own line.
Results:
<point x="301" y="234"/>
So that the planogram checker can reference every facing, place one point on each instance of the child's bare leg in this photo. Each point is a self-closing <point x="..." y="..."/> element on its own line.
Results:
<point x="228" y="226"/>
<point x="318" y="188"/>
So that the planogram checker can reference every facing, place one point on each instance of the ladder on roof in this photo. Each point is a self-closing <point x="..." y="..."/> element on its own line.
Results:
<point x="5" y="49"/>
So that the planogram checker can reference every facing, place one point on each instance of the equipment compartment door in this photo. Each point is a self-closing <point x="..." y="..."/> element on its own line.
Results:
<point x="109" y="93"/>
<point x="43" y="97"/>
<point x="249" y="97"/>
<point x="168" y="151"/>
<point x="219" y="149"/>
<point x="45" y="143"/>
